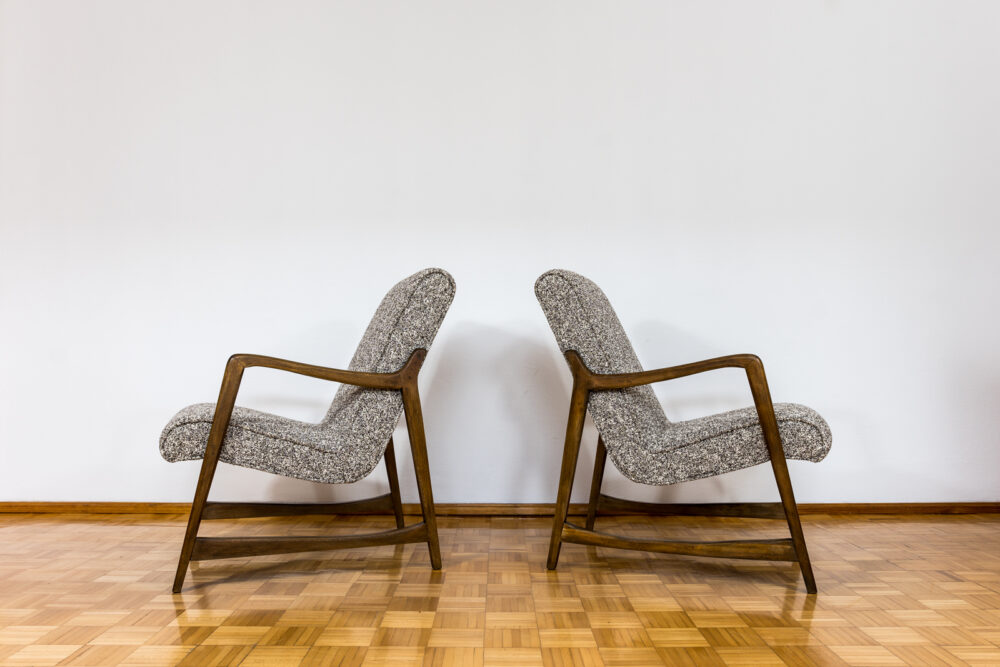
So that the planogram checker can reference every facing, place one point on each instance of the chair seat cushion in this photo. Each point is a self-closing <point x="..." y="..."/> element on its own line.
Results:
<point x="332" y="452"/>
<point x="718" y="444"/>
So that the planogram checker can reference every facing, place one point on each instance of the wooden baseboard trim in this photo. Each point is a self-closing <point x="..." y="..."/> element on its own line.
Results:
<point x="93" y="508"/>
<point x="900" y="508"/>
<point x="499" y="509"/>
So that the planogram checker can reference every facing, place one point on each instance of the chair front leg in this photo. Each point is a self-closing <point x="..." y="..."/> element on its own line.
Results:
<point x="769" y="424"/>
<point x="220" y="424"/>
<point x="595" y="483"/>
<point x="418" y="446"/>
<point x="794" y="524"/>
<point x="571" y="451"/>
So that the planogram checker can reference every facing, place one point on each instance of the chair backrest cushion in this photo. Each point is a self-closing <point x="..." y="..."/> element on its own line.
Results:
<point x="582" y="319"/>
<point x="407" y="319"/>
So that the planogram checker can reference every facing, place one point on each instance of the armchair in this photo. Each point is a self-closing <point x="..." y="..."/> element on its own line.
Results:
<point x="649" y="449"/>
<point x="381" y="382"/>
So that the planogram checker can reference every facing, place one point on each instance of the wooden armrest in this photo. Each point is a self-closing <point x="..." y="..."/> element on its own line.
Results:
<point x="599" y="382"/>
<point x="395" y="380"/>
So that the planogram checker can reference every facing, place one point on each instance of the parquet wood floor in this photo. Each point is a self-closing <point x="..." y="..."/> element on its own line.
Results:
<point x="95" y="590"/>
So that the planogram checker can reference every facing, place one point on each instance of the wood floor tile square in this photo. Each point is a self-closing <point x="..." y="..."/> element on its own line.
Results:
<point x="334" y="656"/>
<point x="924" y="655"/>
<point x="332" y="636"/>
<point x="118" y="635"/>
<point x="748" y="656"/>
<point x="571" y="657"/>
<point x="38" y="655"/>
<point x="512" y="657"/>
<point x="976" y="655"/>
<point x="405" y="637"/>
<point x="795" y="636"/>
<point x="631" y="657"/>
<point x="511" y="637"/>
<point x="98" y="656"/>
<point x="408" y="619"/>
<point x="572" y="637"/>
<point x="237" y="635"/>
<point x="690" y="657"/>
<point x="24" y="634"/>
<point x="453" y="657"/>
<point x="456" y="637"/>
<point x="394" y="656"/>
<point x="866" y="655"/>
<point x="275" y="656"/>
<point x="155" y="656"/>
<point x="675" y="637"/>
<point x="622" y="637"/>
<point x="715" y="619"/>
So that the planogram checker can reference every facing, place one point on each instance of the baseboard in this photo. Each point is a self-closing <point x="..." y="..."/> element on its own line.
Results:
<point x="500" y="509"/>
<point x="899" y="508"/>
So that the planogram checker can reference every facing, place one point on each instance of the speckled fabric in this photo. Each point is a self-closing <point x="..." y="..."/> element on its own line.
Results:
<point x="347" y="445"/>
<point x="646" y="446"/>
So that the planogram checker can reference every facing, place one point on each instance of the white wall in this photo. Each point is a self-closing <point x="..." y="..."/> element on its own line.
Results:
<point x="815" y="182"/>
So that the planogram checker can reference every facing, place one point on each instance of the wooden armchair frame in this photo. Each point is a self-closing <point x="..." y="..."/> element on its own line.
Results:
<point x="584" y="382"/>
<point x="207" y="548"/>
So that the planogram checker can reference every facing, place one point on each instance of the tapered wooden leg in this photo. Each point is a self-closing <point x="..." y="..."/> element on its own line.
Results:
<point x="595" y="484"/>
<point x="220" y="423"/>
<point x="390" y="469"/>
<point x="194" y="521"/>
<point x="794" y="525"/>
<point x="772" y="436"/>
<point x="571" y="451"/>
<point x="418" y="445"/>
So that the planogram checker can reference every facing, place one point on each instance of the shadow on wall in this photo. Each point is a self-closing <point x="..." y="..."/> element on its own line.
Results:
<point x="486" y="373"/>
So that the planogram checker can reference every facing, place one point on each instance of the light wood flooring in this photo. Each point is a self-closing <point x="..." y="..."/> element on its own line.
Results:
<point x="95" y="590"/>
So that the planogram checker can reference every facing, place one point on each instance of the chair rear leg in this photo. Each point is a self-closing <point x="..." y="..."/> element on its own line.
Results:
<point x="390" y="470"/>
<point x="794" y="525"/>
<point x="595" y="484"/>
<point x="571" y="451"/>
<point x="418" y="446"/>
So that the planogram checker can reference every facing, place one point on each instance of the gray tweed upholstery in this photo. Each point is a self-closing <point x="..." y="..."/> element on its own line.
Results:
<point x="645" y="445"/>
<point x="349" y="442"/>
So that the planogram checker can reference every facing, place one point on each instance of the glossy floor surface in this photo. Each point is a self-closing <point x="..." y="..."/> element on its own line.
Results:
<point x="95" y="590"/>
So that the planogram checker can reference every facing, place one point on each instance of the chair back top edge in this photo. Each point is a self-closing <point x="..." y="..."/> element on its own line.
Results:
<point x="582" y="319"/>
<point x="407" y="319"/>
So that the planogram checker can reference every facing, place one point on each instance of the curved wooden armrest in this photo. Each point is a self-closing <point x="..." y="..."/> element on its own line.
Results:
<point x="405" y="377"/>
<point x="587" y="381"/>
<point x="396" y="380"/>
<point x="602" y="382"/>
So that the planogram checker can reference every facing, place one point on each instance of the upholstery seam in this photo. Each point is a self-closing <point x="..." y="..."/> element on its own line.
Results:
<point x="200" y="422"/>
<point x="740" y="428"/>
